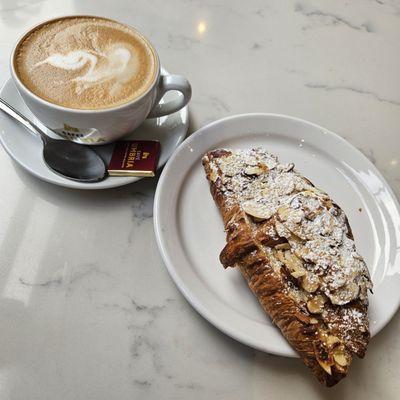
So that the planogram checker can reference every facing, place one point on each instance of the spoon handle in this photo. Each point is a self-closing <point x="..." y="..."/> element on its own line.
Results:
<point x="10" y="110"/>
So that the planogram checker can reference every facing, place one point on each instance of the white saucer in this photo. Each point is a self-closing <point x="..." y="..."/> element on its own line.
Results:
<point x="190" y="232"/>
<point x="26" y="149"/>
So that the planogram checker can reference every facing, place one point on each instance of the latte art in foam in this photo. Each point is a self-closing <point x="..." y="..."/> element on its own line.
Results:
<point x="116" y="67"/>
<point x="83" y="62"/>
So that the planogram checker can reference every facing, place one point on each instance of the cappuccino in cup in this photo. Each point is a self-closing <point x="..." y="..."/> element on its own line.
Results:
<point x="93" y="80"/>
<point x="85" y="63"/>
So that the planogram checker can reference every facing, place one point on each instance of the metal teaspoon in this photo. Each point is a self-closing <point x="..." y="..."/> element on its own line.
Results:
<point x="69" y="159"/>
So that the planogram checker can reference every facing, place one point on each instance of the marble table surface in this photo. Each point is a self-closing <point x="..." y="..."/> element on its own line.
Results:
<point x="87" y="309"/>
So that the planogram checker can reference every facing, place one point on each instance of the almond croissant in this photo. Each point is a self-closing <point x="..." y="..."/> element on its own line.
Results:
<point x="295" y="248"/>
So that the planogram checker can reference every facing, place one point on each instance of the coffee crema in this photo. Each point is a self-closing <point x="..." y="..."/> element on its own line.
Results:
<point x="85" y="63"/>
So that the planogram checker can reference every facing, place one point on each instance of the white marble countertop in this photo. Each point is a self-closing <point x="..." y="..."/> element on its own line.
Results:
<point x="87" y="310"/>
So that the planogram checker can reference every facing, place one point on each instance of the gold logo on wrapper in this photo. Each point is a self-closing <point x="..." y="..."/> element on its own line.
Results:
<point x="134" y="158"/>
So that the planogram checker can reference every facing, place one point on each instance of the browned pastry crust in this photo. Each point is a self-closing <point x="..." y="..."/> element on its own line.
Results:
<point x="326" y="324"/>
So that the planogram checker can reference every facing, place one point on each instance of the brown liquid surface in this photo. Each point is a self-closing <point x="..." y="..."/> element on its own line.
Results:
<point x="85" y="63"/>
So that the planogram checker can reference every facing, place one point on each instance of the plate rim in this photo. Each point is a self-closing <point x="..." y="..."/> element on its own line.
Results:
<point x="112" y="183"/>
<point x="168" y="262"/>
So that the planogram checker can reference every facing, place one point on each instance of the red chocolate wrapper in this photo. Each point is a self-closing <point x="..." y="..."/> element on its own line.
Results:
<point x="134" y="158"/>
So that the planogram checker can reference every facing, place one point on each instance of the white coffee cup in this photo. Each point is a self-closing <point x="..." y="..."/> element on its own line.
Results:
<point x="103" y="126"/>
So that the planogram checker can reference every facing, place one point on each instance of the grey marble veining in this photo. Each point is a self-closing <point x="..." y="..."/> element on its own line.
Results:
<point x="352" y="89"/>
<point x="87" y="309"/>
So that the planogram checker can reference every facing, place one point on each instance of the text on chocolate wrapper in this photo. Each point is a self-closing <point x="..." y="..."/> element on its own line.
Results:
<point x="133" y="155"/>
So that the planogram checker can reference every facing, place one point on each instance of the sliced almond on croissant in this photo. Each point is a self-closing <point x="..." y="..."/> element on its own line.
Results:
<point x="340" y="358"/>
<point x="253" y="170"/>
<point x="258" y="211"/>
<point x="316" y="304"/>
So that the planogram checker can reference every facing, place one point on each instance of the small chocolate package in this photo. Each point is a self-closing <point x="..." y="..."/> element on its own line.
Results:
<point x="134" y="158"/>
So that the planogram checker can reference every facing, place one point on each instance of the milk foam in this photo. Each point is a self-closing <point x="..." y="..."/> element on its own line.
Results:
<point x="71" y="61"/>
<point x="85" y="62"/>
<point x="115" y="66"/>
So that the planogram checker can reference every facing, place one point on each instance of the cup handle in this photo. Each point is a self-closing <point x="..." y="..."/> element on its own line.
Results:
<point x="166" y="83"/>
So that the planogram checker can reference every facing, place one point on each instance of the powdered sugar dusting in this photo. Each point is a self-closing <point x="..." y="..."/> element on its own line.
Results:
<point x="348" y="322"/>
<point x="315" y="228"/>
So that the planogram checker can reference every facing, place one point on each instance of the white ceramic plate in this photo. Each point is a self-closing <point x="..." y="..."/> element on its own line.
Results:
<point x="26" y="149"/>
<point x="190" y="232"/>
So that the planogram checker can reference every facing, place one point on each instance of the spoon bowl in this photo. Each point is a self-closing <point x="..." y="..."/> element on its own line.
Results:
<point x="68" y="159"/>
